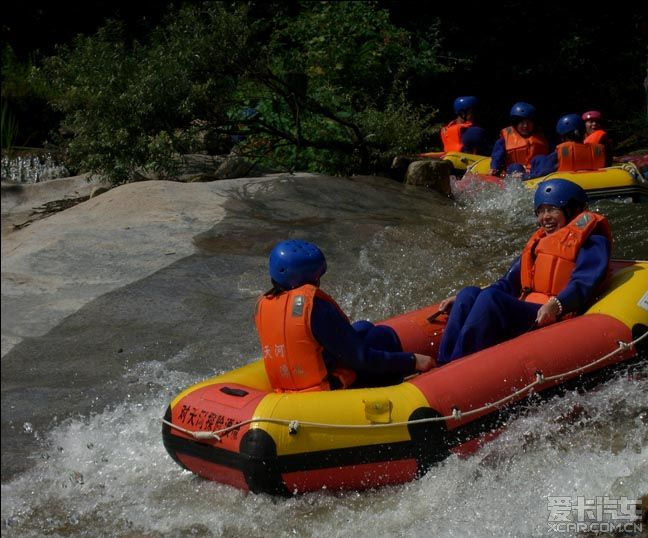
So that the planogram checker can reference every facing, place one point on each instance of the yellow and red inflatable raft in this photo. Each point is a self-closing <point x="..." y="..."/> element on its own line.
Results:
<point x="460" y="161"/>
<point x="235" y="430"/>
<point x="623" y="180"/>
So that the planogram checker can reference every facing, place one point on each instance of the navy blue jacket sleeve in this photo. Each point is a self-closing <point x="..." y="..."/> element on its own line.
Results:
<point x="343" y="346"/>
<point x="591" y="268"/>
<point x="498" y="155"/>
<point x="542" y="165"/>
<point x="609" y="150"/>
<point x="474" y="140"/>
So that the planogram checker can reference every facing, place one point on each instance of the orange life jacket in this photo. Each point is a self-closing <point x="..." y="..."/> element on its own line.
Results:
<point x="520" y="149"/>
<point x="451" y="135"/>
<point x="596" y="137"/>
<point x="292" y="356"/>
<point x="548" y="261"/>
<point x="575" y="156"/>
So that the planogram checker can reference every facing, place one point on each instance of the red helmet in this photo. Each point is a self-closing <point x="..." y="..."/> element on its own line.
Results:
<point x="592" y="115"/>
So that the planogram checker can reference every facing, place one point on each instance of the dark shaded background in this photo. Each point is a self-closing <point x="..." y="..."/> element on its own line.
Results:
<point x="563" y="57"/>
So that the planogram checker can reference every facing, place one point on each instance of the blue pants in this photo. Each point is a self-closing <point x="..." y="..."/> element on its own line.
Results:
<point x="482" y="318"/>
<point x="379" y="337"/>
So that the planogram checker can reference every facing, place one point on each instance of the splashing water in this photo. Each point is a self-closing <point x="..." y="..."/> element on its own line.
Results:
<point x="31" y="168"/>
<point x="109" y="475"/>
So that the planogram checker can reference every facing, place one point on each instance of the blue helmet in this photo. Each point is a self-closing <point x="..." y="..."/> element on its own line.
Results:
<point x="461" y="104"/>
<point x="570" y="123"/>
<point x="560" y="193"/>
<point x="523" y="110"/>
<point x="294" y="263"/>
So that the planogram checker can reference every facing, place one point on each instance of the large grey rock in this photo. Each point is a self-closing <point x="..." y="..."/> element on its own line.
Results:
<point x="432" y="174"/>
<point x="123" y="235"/>
<point x="399" y="167"/>
<point x="23" y="203"/>
<point x="234" y="166"/>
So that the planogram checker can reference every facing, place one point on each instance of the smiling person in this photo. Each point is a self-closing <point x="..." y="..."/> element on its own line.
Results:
<point x="595" y="134"/>
<point x="562" y="268"/>
<point x="519" y="142"/>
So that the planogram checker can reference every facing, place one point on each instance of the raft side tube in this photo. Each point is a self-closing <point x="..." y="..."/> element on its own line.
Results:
<point x="415" y="332"/>
<point x="610" y="182"/>
<point x="362" y="406"/>
<point x="495" y="373"/>
<point x="248" y="375"/>
<point x="623" y="297"/>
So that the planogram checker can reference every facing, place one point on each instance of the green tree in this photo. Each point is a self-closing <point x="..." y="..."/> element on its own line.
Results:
<point x="131" y="107"/>
<point x="24" y="103"/>
<point x="329" y="84"/>
<point x="333" y="91"/>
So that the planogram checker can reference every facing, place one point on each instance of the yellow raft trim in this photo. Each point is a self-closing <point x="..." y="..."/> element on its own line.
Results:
<point x="629" y="285"/>
<point x="251" y="375"/>
<point x="462" y="161"/>
<point x="378" y="405"/>
<point x="604" y="178"/>
<point x="480" y="166"/>
<point x="613" y="177"/>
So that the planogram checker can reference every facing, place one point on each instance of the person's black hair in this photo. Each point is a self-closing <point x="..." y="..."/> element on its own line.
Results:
<point x="278" y="290"/>
<point x="275" y="290"/>
<point x="572" y="209"/>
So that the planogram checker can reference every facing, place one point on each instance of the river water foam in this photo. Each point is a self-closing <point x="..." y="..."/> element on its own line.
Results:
<point x="108" y="475"/>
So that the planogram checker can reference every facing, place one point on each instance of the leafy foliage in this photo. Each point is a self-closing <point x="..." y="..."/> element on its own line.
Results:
<point x="134" y="107"/>
<point x="8" y="126"/>
<point x="22" y="99"/>
<point x="334" y="84"/>
<point x="327" y="85"/>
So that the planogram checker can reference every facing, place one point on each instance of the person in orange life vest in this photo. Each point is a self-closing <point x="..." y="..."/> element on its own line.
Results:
<point x="461" y="134"/>
<point x="519" y="142"/>
<point x="594" y="133"/>
<point x="552" y="278"/>
<point x="307" y="341"/>
<point x="571" y="154"/>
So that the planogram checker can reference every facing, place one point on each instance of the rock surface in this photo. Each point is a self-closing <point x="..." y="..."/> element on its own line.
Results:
<point x="111" y="239"/>
<point x="431" y="173"/>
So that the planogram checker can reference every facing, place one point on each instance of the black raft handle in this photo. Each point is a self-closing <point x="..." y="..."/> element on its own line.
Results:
<point x="234" y="392"/>
<point x="435" y="316"/>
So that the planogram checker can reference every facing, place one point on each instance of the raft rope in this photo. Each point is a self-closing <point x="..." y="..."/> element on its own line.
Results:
<point x="457" y="414"/>
<point x="634" y="171"/>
